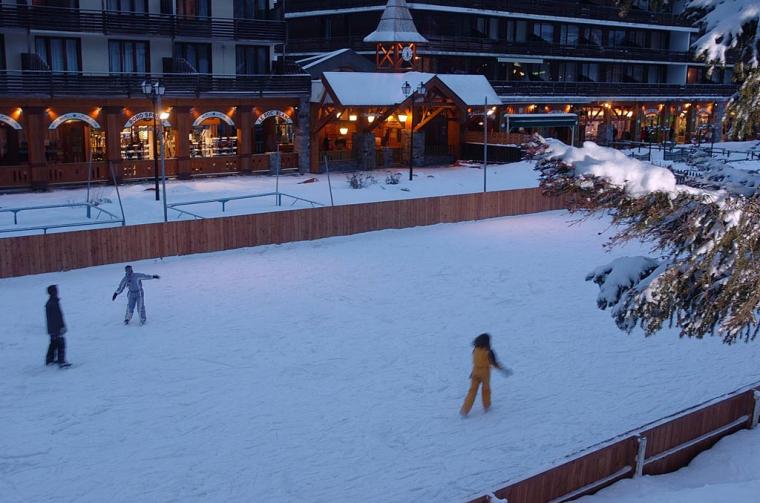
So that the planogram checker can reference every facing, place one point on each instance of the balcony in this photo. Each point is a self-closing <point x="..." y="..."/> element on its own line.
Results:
<point x="50" y="84"/>
<point x="452" y="44"/>
<point x="125" y="23"/>
<point x="611" y="89"/>
<point x="595" y="10"/>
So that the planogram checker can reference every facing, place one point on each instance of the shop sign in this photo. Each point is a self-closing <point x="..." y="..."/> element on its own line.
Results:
<point x="11" y="122"/>
<point x="213" y="115"/>
<point x="143" y="116"/>
<point x="273" y="113"/>
<point x="652" y="111"/>
<point x="74" y="116"/>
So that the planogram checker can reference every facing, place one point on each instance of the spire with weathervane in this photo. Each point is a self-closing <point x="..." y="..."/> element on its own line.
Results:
<point x="397" y="39"/>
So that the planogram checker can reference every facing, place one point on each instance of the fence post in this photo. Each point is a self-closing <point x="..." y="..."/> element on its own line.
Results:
<point x="756" y="409"/>
<point x="640" y="456"/>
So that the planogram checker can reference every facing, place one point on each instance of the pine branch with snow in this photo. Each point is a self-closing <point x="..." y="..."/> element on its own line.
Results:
<point x="704" y="276"/>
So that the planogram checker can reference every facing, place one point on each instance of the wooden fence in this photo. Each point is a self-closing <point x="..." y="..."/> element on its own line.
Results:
<point x="71" y="250"/>
<point x="654" y="449"/>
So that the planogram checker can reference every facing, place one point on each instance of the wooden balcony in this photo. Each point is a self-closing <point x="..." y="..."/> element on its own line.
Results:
<point x="131" y="23"/>
<point x="53" y="84"/>
<point x="536" y="90"/>
<point x="589" y="9"/>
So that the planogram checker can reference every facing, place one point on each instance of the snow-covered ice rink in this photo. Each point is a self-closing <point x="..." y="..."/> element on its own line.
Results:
<point x="333" y="370"/>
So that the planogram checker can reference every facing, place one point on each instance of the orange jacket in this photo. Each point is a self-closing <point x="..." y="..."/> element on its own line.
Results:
<point x="482" y="359"/>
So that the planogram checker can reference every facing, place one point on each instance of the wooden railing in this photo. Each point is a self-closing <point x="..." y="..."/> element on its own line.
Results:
<point x="654" y="449"/>
<point x="15" y="176"/>
<point x="135" y="23"/>
<point x="71" y="250"/>
<point x="496" y="138"/>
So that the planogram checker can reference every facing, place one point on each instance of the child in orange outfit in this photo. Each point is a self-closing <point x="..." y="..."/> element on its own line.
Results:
<point x="482" y="359"/>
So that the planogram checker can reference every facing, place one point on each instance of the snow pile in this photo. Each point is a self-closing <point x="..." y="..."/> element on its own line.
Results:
<point x="636" y="177"/>
<point x="730" y="471"/>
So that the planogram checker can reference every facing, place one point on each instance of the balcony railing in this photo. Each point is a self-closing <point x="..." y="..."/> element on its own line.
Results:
<point x="134" y="23"/>
<point x="451" y="44"/>
<point x="52" y="84"/>
<point x="604" y="89"/>
<point x="599" y="10"/>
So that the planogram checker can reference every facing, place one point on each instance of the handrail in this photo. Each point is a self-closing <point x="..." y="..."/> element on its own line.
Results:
<point x="224" y="200"/>
<point x="115" y="219"/>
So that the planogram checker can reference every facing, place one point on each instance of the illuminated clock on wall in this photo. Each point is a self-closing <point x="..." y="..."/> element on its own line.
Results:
<point x="407" y="53"/>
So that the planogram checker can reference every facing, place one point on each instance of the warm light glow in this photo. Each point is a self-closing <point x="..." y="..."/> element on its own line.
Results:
<point x="338" y="114"/>
<point x="402" y="117"/>
<point x="163" y="115"/>
<point x="389" y="119"/>
<point x="490" y="112"/>
<point x="343" y="131"/>
<point x="608" y="105"/>
<point x="370" y="118"/>
<point x="352" y="117"/>
<point x="629" y="114"/>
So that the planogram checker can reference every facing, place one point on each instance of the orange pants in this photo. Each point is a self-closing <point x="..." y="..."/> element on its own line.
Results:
<point x="476" y="380"/>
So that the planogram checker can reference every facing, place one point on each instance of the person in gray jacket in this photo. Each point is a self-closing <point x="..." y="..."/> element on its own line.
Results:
<point x="132" y="281"/>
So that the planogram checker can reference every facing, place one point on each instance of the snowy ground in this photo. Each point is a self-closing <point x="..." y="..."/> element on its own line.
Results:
<point x="333" y="370"/>
<point x="729" y="472"/>
<point x="140" y="205"/>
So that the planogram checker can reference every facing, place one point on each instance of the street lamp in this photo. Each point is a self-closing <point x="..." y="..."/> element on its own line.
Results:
<point x="421" y="90"/>
<point x="154" y="90"/>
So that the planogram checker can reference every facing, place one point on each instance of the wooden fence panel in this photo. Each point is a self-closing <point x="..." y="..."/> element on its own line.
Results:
<point x="71" y="250"/>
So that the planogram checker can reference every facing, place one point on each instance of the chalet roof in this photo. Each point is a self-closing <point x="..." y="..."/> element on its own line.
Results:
<point x="396" y="25"/>
<point x="384" y="89"/>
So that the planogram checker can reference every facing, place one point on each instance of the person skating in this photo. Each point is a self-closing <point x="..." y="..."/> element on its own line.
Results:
<point x="132" y="281"/>
<point x="56" y="327"/>
<point x="483" y="358"/>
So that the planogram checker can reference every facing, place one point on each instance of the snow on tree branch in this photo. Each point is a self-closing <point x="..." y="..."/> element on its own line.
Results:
<point x="728" y="24"/>
<point x="704" y="277"/>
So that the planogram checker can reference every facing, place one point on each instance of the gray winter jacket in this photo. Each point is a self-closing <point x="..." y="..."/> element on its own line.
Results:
<point x="132" y="282"/>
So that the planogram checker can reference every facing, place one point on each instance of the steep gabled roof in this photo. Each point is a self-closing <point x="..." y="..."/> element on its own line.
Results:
<point x="396" y="25"/>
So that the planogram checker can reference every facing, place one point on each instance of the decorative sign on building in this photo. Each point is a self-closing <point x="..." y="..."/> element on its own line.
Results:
<point x="74" y="116"/>
<point x="273" y="113"/>
<point x="10" y="121"/>
<point x="142" y="116"/>
<point x="213" y="115"/>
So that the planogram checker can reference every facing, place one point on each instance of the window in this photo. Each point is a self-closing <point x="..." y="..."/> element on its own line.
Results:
<point x="252" y="59"/>
<point x="197" y="55"/>
<point x="251" y="9"/>
<point x="539" y="71"/>
<point x="60" y="54"/>
<point x="656" y="74"/>
<point x="128" y="56"/>
<point x="136" y="6"/>
<point x="568" y="35"/>
<point x="636" y="38"/>
<point x="659" y="39"/>
<point x="591" y="37"/>
<point x="486" y="27"/>
<point x="568" y="72"/>
<point x="194" y="8"/>
<point x="543" y="32"/>
<point x="516" y="31"/>
<point x="2" y="51"/>
<point x="588" y="72"/>
<point x="616" y="38"/>
<point x="67" y="4"/>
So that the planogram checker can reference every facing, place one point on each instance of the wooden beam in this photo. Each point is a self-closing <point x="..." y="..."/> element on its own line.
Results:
<point x="430" y="117"/>
<point x="380" y="119"/>
<point x="324" y="121"/>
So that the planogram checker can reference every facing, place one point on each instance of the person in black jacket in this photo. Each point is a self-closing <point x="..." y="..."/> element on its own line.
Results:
<point x="56" y="328"/>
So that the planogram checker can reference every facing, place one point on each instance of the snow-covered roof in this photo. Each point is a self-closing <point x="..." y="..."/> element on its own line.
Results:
<point x="384" y="89"/>
<point x="307" y="63"/>
<point x="396" y="25"/>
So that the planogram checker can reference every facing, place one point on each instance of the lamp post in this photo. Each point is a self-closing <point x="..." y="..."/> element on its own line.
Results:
<point x="421" y="90"/>
<point x="155" y="90"/>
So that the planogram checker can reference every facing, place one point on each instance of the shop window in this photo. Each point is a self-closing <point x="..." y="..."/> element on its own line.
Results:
<point x="213" y="137"/>
<point x="131" y="6"/>
<point x="197" y="55"/>
<point x="60" y="54"/>
<point x="138" y="143"/>
<point x="251" y="9"/>
<point x="128" y="56"/>
<point x="252" y="59"/>
<point x="194" y="8"/>
<point x="272" y="135"/>
<point x="75" y="141"/>
<point x="13" y="146"/>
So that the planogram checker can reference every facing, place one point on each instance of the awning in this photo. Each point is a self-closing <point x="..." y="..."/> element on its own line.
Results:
<point x="542" y="120"/>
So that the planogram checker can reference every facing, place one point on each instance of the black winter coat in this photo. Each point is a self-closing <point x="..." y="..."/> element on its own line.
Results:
<point x="54" y="317"/>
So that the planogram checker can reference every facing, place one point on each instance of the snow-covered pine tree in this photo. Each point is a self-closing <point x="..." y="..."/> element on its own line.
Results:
<point x="705" y="275"/>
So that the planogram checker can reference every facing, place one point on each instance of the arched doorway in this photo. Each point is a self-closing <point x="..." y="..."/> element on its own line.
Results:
<point x="214" y="134"/>
<point x="137" y="138"/>
<point x="273" y="132"/>
<point x="13" y="146"/>
<point x="75" y="137"/>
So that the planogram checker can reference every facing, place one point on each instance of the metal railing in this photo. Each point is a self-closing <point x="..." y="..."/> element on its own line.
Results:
<point x="619" y="89"/>
<point x="224" y="200"/>
<point x="137" y="23"/>
<point x="597" y="10"/>
<point x="115" y="219"/>
<point x="52" y="84"/>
